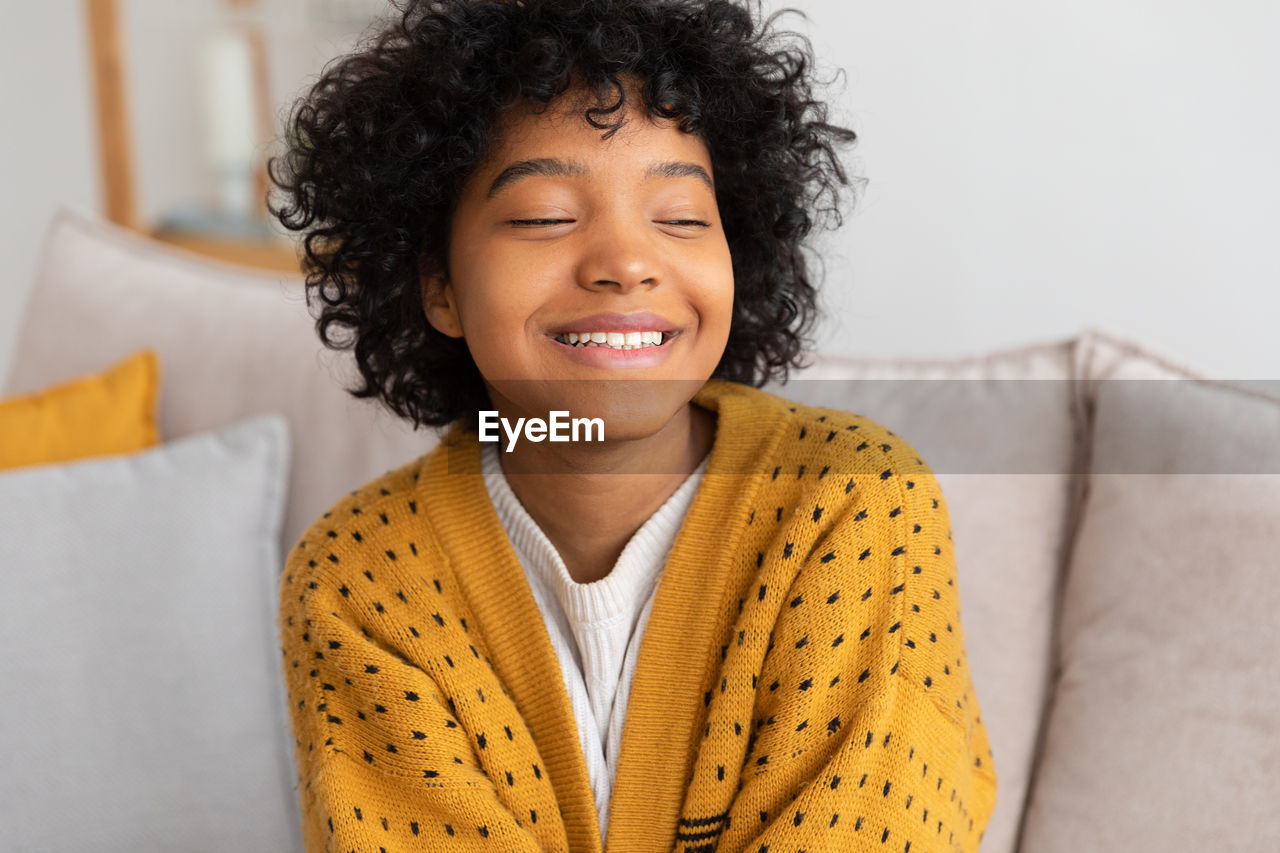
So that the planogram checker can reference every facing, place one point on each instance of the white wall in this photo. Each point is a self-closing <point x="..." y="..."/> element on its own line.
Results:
<point x="1038" y="168"/>
<point x="1034" y="169"/>
<point x="47" y="143"/>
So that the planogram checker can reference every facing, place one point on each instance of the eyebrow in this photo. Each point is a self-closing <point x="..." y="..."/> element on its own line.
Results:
<point x="554" y="168"/>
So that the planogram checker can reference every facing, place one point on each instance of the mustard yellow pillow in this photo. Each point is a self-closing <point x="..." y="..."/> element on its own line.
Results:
<point x="100" y="414"/>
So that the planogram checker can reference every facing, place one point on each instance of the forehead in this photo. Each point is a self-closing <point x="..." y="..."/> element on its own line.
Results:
<point x="561" y="130"/>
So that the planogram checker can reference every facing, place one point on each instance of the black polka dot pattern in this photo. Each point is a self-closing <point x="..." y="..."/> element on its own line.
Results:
<point x="833" y="708"/>
<point x="867" y="730"/>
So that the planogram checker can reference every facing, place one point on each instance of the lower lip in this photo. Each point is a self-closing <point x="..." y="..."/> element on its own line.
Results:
<point x="610" y="358"/>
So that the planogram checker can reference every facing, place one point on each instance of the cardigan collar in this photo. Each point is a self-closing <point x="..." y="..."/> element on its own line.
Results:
<point x="680" y="646"/>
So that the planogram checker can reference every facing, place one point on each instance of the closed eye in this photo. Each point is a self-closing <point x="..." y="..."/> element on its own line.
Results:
<point x="683" y="222"/>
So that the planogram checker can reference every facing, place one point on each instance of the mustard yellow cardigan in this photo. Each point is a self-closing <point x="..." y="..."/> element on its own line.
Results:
<point x="802" y="684"/>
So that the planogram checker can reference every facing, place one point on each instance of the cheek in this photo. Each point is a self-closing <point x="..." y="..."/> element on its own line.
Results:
<point x="720" y="292"/>
<point x="493" y="304"/>
<point x="501" y="289"/>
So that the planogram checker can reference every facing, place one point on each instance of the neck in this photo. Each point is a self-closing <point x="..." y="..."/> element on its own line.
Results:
<point x="586" y="507"/>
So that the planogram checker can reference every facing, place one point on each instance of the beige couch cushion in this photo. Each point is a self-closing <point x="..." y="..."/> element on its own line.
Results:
<point x="232" y="343"/>
<point x="1164" y="733"/>
<point x="1000" y="433"/>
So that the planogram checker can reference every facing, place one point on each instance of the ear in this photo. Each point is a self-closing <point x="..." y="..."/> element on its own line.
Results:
<point x="439" y="305"/>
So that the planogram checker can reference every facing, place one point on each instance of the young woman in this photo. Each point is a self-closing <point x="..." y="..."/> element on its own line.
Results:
<point x="722" y="622"/>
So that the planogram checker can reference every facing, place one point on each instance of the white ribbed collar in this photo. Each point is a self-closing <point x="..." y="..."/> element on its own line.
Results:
<point x="634" y="575"/>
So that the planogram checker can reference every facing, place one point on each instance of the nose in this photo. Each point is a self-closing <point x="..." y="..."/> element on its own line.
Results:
<point x="618" y="255"/>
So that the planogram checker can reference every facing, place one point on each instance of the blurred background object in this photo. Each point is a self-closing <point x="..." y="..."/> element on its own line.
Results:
<point x="187" y="98"/>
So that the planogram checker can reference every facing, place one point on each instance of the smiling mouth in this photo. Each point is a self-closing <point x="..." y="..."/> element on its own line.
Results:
<point x="616" y="340"/>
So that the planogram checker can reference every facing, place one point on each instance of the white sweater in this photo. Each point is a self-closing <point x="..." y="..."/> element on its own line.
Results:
<point x="595" y="628"/>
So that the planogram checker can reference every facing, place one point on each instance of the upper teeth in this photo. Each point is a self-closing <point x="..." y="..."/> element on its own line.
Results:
<point x="615" y="340"/>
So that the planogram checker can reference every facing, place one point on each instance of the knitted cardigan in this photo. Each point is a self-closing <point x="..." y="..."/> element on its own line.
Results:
<point x="802" y="682"/>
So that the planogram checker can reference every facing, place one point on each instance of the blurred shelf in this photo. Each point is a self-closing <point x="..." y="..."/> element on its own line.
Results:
<point x="246" y="251"/>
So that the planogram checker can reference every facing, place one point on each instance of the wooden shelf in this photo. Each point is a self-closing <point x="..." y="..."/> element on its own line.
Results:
<point x="116" y="162"/>
<point x="244" y="251"/>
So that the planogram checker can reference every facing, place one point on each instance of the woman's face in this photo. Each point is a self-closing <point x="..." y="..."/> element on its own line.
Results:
<point x="561" y="235"/>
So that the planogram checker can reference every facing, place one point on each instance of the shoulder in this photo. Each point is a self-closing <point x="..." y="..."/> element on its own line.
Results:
<point x="832" y="446"/>
<point x="822" y="468"/>
<point x="356" y="522"/>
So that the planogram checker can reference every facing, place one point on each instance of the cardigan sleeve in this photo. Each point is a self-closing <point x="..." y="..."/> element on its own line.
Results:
<point x="867" y="730"/>
<point x="382" y="762"/>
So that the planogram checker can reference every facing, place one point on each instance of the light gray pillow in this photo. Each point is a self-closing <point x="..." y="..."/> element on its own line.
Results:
<point x="143" y="704"/>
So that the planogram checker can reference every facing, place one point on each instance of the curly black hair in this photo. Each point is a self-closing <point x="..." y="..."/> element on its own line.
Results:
<point x="380" y="146"/>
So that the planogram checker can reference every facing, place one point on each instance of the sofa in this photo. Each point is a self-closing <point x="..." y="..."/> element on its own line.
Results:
<point x="1116" y="519"/>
